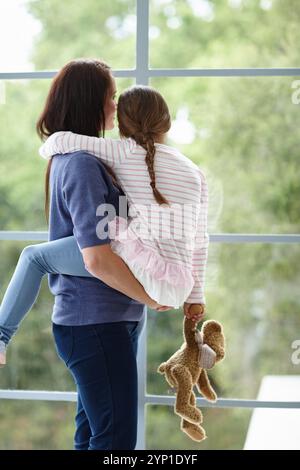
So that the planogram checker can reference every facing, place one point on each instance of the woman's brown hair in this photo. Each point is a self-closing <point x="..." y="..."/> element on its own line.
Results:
<point x="144" y="116"/>
<point x="76" y="103"/>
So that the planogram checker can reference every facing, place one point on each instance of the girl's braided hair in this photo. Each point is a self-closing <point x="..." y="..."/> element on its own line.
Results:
<point x="144" y="116"/>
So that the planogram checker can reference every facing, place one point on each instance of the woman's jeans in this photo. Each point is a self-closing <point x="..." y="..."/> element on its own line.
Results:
<point x="58" y="257"/>
<point x="102" y="360"/>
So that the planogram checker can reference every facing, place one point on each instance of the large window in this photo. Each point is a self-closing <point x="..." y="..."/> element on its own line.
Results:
<point x="239" y="125"/>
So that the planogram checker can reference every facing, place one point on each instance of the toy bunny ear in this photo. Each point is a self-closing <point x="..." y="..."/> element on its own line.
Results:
<point x="207" y="356"/>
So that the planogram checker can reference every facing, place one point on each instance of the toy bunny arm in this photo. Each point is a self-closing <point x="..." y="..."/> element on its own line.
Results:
<point x="189" y="330"/>
<point x="204" y="386"/>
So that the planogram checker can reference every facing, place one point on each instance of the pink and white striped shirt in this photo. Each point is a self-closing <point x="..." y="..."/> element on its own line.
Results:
<point x="178" y="232"/>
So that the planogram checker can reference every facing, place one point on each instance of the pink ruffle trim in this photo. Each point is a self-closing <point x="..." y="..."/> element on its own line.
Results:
<point x="131" y="249"/>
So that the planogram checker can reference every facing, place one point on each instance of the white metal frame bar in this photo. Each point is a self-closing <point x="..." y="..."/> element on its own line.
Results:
<point x="214" y="238"/>
<point x="142" y="73"/>
<point x="41" y="395"/>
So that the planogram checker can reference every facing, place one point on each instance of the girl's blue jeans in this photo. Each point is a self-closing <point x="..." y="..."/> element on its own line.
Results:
<point x="60" y="256"/>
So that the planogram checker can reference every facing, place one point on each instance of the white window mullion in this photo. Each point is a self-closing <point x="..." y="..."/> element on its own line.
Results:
<point x="142" y="42"/>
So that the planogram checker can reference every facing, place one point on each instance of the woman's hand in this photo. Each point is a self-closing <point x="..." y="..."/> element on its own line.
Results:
<point x="163" y="308"/>
<point x="156" y="306"/>
<point x="194" y="312"/>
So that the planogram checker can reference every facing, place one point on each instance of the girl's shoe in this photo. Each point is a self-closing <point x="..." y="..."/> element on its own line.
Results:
<point x="2" y="354"/>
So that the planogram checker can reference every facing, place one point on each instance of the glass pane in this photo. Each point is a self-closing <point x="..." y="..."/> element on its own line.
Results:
<point x="21" y="169"/>
<point x="244" y="134"/>
<point x="225" y="429"/>
<point x="232" y="33"/>
<point x="18" y="32"/>
<point x="45" y="34"/>
<point x="36" y="425"/>
<point x="253" y="290"/>
<point x="32" y="362"/>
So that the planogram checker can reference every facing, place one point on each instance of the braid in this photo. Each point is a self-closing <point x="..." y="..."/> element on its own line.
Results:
<point x="150" y="149"/>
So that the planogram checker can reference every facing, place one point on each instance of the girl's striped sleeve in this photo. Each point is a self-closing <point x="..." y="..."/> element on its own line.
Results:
<point x="200" y="254"/>
<point x="111" y="151"/>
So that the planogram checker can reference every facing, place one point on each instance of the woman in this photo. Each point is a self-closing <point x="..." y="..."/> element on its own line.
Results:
<point x="95" y="321"/>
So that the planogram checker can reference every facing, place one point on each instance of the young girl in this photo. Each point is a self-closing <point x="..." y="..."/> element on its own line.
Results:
<point x="164" y="242"/>
<point x="167" y="256"/>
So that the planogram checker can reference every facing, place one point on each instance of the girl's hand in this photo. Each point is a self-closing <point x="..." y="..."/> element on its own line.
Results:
<point x="194" y="312"/>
